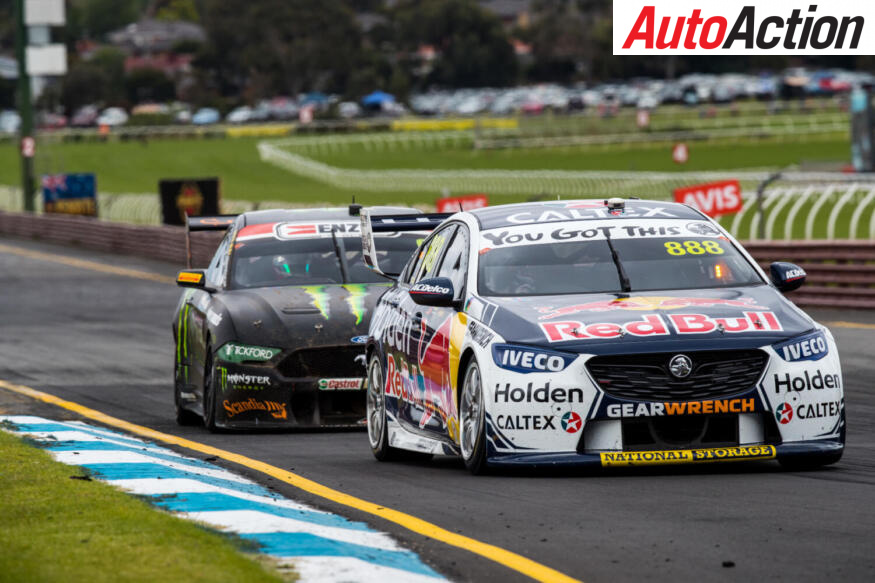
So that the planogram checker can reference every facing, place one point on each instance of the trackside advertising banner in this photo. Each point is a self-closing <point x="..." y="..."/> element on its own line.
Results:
<point x="744" y="27"/>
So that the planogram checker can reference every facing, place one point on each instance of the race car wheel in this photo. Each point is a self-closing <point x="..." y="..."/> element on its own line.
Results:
<point x="378" y="433"/>
<point x="183" y="415"/>
<point x="210" y="392"/>
<point x="378" y="436"/>
<point x="472" y="414"/>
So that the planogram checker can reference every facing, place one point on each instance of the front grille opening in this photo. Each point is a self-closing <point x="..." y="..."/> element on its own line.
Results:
<point x="324" y="362"/>
<point x="646" y="377"/>
<point x="681" y="432"/>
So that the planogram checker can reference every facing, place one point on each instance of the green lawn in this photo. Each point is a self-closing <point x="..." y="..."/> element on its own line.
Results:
<point x="54" y="528"/>
<point x="135" y="167"/>
<point x="654" y="157"/>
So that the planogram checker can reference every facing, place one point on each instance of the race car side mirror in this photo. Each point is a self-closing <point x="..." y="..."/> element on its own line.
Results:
<point x="195" y="278"/>
<point x="787" y="276"/>
<point x="433" y="291"/>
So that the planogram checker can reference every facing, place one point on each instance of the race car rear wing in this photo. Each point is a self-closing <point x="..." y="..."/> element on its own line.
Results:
<point x="393" y="224"/>
<point x="210" y="223"/>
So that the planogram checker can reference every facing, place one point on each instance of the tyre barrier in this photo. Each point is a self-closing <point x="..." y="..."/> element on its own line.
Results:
<point x="841" y="274"/>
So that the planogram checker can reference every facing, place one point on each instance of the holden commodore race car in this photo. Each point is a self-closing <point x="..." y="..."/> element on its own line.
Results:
<point x="272" y="333"/>
<point x="609" y="333"/>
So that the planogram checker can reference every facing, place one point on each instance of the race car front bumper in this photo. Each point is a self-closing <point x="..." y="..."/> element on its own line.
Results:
<point x="797" y="451"/>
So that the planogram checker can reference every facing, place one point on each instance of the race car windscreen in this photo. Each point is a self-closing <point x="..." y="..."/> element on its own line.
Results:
<point x="315" y="261"/>
<point x="587" y="266"/>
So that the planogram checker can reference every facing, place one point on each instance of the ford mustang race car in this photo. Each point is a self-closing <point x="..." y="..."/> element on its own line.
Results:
<point x="608" y="333"/>
<point x="272" y="333"/>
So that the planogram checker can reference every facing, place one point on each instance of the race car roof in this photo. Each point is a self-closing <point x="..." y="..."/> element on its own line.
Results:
<point x="572" y="210"/>
<point x="323" y="214"/>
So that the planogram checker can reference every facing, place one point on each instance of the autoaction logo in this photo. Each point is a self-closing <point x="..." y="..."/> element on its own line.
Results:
<point x="742" y="27"/>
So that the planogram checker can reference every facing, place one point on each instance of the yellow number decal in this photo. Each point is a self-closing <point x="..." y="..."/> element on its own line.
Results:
<point x="674" y="248"/>
<point x="712" y="247"/>
<point x="692" y="247"/>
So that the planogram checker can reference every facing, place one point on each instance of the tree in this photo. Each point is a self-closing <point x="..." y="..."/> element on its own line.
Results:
<point x="279" y="46"/>
<point x="474" y="50"/>
<point x="147" y="84"/>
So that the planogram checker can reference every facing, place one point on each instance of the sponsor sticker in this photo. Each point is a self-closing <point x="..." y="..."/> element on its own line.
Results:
<point x="232" y="352"/>
<point x="686" y="456"/>
<point x="642" y="303"/>
<point x="542" y="394"/>
<point x="234" y="408"/>
<point x="806" y="381"/>
<point x="359" y="339"/>
<point x="351" y="384"/>
<point x="189" y="277"/>
<point x="654" y="325"/>
<point x="571" y="422"/>
<point x="810" y="347"/>
<point x="524" y="359"/>
<point x="625" y="410"/>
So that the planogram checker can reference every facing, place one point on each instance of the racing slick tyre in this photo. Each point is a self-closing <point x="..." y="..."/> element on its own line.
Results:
<point x="472" y="414"/>
<point x="378" y="433"/>
<point x="183" y="416"/>
<point x="210" y="393"/>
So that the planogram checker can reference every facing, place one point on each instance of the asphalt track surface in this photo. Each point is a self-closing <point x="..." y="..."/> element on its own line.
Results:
<point x="103" y="340"/>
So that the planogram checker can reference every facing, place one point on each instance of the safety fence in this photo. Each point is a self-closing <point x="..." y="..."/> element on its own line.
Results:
<point x="163" y="243"/>
<point x="840" y="273"/>
<point x="799" y="206"/>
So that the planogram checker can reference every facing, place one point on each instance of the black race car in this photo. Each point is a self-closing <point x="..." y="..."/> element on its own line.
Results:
<point x="272" y="333"/>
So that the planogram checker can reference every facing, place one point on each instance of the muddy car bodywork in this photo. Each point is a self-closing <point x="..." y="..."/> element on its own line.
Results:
<point x="274" y="356"/>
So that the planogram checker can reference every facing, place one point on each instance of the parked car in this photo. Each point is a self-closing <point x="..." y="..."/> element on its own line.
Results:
<point x="206" y="116"/>
<point x="112" y="116"/>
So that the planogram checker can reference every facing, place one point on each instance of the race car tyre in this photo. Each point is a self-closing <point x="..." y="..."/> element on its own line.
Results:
<point x="184" y="417"/>
<point x="378" y="433"/>
<point x="210" y="393"/>
<point x="472" y="414"/>
<point x="378" y="436"/>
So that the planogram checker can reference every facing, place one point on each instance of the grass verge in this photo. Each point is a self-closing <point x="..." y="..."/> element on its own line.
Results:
<point x="54" y="528"/>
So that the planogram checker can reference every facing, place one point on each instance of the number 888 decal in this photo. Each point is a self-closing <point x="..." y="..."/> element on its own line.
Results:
<point x="693" y="247"/>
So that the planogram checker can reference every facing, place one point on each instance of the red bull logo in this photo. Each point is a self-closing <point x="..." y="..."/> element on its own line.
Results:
<point x="648" y="303"/>
<point x="654" y="325"/>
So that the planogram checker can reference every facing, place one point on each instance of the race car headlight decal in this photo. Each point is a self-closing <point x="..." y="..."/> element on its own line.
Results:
<point x="232" y="352"/>
<point x="526" y="359"/>
<point x="812" y="346"/>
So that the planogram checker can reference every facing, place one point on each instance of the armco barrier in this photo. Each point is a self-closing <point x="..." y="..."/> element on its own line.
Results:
<point x="164" y="243"/>
<point x="840" y="273"/>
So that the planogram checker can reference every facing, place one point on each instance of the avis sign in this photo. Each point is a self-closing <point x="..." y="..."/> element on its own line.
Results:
<point x="713" y="199"/>
<point x="466" y="203"/>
